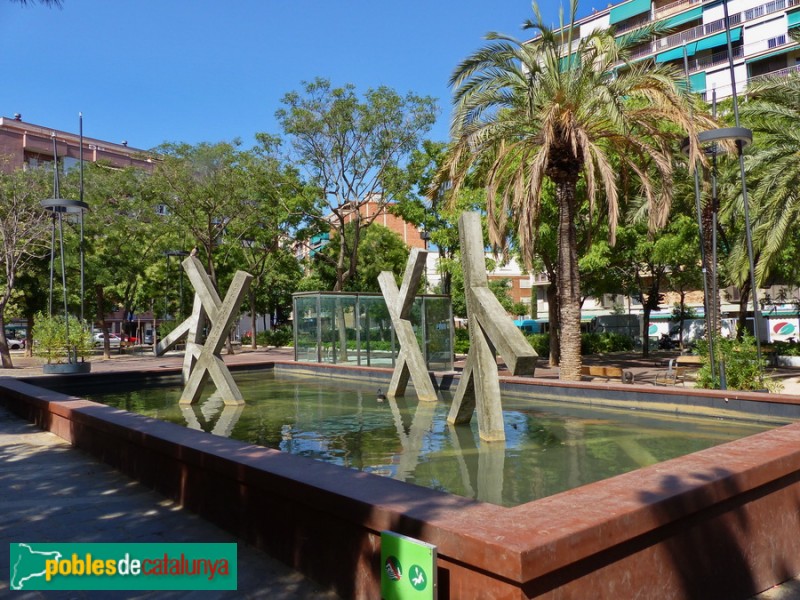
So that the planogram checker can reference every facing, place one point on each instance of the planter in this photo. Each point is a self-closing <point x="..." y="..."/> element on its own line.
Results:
<point x="66" y="368"/>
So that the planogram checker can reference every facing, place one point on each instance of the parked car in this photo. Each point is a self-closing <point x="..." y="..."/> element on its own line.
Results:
<point x="16" y="344"/>
<point x="129" y="339"/>
<point x="114" y="341"/>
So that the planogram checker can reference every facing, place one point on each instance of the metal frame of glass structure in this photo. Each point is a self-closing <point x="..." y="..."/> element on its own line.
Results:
<point x="354" y="328"/>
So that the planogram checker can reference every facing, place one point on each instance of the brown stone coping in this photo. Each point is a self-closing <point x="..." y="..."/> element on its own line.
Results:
<point x="617" y="516"/>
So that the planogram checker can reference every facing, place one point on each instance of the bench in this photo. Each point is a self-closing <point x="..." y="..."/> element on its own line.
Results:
<point x="679" y="369"/>
<point x="608" y="373"/>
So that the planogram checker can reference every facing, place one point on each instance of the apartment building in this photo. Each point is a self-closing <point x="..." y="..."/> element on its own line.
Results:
<point x="759" y="32"/>
<point x="24" y="145"/>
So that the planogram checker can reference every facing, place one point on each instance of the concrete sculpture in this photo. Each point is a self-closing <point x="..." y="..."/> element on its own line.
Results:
<point x="410" y="362"/>
<point x="490" y="330"/>
<point x="204" y="360"/>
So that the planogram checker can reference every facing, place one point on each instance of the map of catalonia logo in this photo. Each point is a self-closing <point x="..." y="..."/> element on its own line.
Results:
<point x="85" y="566"/>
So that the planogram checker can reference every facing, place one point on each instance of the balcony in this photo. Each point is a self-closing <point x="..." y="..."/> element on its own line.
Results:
<point x="717" y="58"/>
<point x="662" y="12"/>
<point x="779" y="73"/>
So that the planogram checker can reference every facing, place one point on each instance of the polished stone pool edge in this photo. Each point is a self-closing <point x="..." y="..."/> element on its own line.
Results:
<point x="718" y="523"/>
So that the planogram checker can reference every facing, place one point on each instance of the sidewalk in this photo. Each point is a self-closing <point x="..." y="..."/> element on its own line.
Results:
<point x="51" y="492"/>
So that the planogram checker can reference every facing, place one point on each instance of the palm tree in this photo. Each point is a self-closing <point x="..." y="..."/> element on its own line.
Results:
<point x="525" y="111"/>
<point x="773" y="112"/>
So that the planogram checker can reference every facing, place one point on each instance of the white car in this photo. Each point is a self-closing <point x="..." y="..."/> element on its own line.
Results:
<point x="16" y="344"/>
<point x="114" y="341"/>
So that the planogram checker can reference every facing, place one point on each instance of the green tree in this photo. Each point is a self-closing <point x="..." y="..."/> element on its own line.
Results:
<point x="773" y="112"/>
<point x="353" y="151"/>
<point x="438" y="217"/>
<point x="381" y="250"/>
<point x="533" y="113"/>
<point x="24" y="235"/>
<point x="124" y="237"/>
<point x="208" y="190"/>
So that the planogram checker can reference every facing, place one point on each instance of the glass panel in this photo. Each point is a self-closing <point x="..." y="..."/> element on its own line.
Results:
<point x="376" y="333"/>
<point x="357" y="330"/>
<point x="438" y="333"/>
<point x="337" y="318"/>
<point x="306" y="324"/>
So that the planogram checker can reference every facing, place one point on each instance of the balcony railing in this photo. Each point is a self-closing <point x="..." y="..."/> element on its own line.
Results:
<point x="715" y="59"/>
<point x="699" y="31"/>
<point x="779" y="73"/>
<point x="673" y="7"/>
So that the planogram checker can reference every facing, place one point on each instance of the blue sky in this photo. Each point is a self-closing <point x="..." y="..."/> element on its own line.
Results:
<point x="149" y="71"/>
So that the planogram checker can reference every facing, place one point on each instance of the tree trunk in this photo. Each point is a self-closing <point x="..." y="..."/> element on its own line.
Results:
<point x="744" y="301"/>
<point x="101" y="315"/>
<point x="553" y="319"/>
<point x="569" y="283"/>
<point x="29" y="336"/>
<point x="5" y="354"/>
<point x="645" y="327"/>
<point x="251" y="293"/>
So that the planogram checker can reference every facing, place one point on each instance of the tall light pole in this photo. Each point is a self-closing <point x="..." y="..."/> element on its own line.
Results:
<point x="58" y="207"/>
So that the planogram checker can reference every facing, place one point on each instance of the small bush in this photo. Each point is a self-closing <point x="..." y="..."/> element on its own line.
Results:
<point x="277" y="336"/>
<point x="742" y="368"/>
<point x="461" y="340"/>
<point x="787" y="348"/>
<point x="540" y="342"/>
<point x="50" y="342"/>
<point x="600" y="343"/>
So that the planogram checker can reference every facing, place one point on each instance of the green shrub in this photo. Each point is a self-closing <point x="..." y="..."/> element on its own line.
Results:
<point x="601" y="343"/>
<point x="461" y="340"/>
<point x="277" y="336"/>
<point x="540" y="342"/>
<point x="787" y="348"/>
<point x="50" y="338"/>
<point x="742" y="369"/>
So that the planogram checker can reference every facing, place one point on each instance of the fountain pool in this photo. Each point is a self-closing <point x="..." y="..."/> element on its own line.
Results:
<point x="551" y="445"/>
<point x="720" y="522"/>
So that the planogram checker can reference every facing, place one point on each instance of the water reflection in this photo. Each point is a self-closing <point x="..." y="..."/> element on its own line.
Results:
<point x="212" y="411"/>
<point x="550" y="446"/>
<point x="488" y="472"/>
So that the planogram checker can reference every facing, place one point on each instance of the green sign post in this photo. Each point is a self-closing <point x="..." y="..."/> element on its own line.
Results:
<point x="408" y="568"/>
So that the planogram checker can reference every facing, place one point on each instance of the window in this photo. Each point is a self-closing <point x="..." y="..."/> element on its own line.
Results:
<point x="776" y="41"/>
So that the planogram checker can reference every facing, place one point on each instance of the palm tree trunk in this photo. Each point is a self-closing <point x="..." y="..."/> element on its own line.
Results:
<point x="569" y="283"/>
<point x="553" y="319"/>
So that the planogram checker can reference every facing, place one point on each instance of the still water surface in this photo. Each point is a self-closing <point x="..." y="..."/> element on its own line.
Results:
<point x="550" y="446"/>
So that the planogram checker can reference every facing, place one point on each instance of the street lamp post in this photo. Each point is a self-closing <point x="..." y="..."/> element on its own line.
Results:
<point x="58" y="207"/>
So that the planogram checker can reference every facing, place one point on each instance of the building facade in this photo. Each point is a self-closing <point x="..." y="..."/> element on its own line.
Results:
<point x="759" y="32"/>
<point x="24" y="145"/>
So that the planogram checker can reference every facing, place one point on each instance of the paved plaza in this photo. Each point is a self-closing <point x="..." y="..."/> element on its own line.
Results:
<point x="51" y="492"/>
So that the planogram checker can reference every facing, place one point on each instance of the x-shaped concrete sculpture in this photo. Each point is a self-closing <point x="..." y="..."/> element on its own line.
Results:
<point x="410" y="361"/>
<point x="204" y="360"/>
<point x="490" y="328"/>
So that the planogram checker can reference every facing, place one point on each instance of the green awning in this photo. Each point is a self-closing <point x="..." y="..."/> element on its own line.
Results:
<point x="697" y="82"/>
<point x="629" y="9"/>
<point x="691" y="15"/>
<point x="793" y="18"/>
<point x="676" y="53"/>
<point x="719" y="39"/>
<point x="770" y="55"/>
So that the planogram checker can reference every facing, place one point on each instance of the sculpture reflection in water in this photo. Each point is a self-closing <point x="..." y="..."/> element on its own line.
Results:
<point x="212" y="410"/>
<point x="481" y="479"/>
